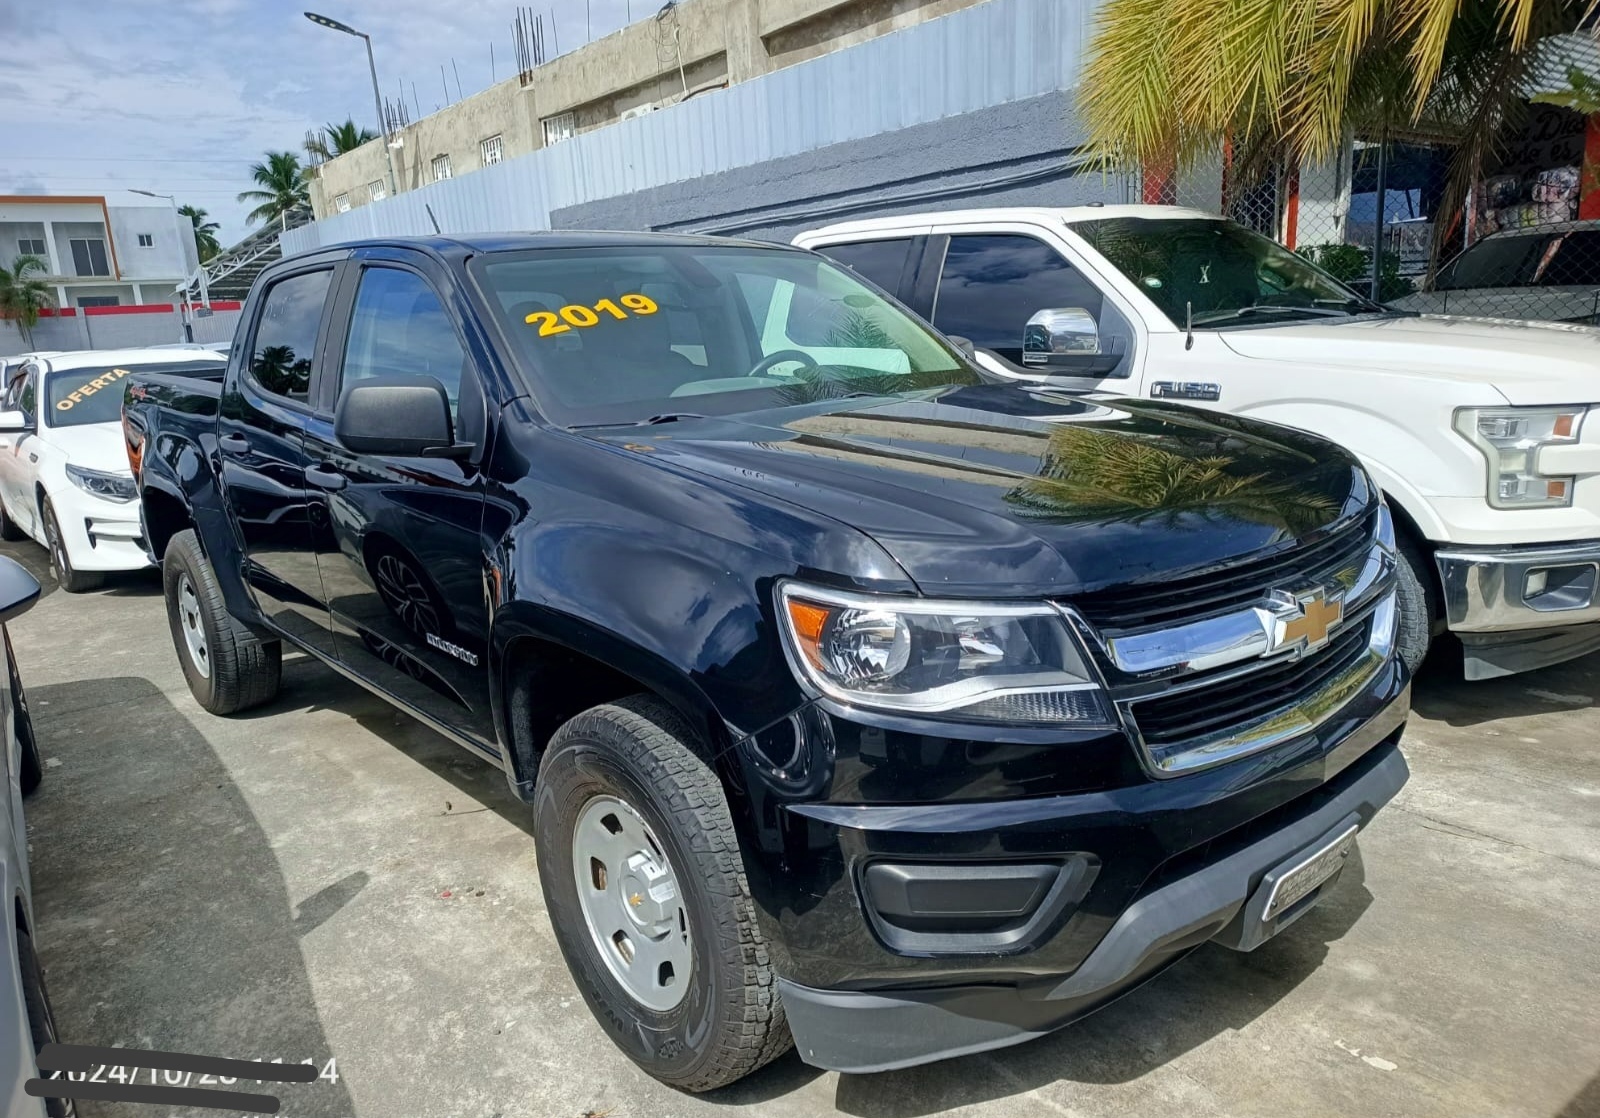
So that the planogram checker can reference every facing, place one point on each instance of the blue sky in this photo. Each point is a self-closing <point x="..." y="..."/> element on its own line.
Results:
<point x="182" y="96"/>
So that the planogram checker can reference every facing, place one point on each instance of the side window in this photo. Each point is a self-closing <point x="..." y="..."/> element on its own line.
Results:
<point x="20" y="394"/>
<point x="399" y="328"/>
<point x="1576" y="262"/>
<point x="993" y="283"/>
<point x="882" y="262"/>
<point x="286" y="336"/>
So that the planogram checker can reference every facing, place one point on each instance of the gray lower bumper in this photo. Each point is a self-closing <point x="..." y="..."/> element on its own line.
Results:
<point x="1520" y="608"/>
<point x="862" y="1031"/>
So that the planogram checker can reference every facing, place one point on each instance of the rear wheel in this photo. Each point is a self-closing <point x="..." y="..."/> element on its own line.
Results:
<point x="41" y="1021"/>
<point x="71" y="580"/>
<point x="31" y="774"/>
<point x="646" y="889"/>
<point x="228" y="667"/>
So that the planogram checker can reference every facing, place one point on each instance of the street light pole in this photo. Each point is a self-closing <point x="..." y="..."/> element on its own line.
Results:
<point x="377" y="98"/>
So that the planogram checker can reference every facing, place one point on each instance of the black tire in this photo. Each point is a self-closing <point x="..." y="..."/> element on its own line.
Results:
<point x="236" y="670"/>
<point x="71" y="580"/>
<point x="41" y="1021"/>
<point x="8" y="527"/>
<point x="1418" y="601"/>
<point x="31" y="774"/>
<point x="730" y="1021"/>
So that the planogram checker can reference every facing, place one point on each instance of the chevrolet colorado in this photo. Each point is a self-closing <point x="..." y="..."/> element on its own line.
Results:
<point x="858" y="697"/>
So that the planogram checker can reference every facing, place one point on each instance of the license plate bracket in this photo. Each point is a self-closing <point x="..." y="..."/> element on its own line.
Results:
<point x="1282" y="896"/>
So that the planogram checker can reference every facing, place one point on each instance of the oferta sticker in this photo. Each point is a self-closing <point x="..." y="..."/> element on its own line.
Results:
<point x="78" y="395"/>
<point x="551" y="323"/>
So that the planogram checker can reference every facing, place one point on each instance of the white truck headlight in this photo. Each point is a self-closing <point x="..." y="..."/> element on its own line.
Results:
<point x="113" y="487"/>
<point x="974" y="661"/>
<point x="1510" y="438"/>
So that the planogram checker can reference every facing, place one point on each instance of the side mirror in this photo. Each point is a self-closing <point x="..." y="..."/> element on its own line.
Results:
<point x="14" y="423"/>
<point x="401" y="416"/>
<point x="18" y="589"/>
<point x="1066" y="339"/>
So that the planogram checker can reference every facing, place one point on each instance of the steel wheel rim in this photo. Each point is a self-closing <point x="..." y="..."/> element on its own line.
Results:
<point x="193" y="626"/>
<point x="631" y="903"/>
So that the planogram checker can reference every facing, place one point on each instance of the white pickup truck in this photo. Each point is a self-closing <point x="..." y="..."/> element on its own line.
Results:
<point x="1478" y="430"/>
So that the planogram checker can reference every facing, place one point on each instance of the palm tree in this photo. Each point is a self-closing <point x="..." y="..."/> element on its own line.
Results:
<point x="282" y="183"/>
<point x="205" y="231"/>
<point x="22" y="295"/>
<point x="337" y="139"/>
<point x="1173" y="80"/>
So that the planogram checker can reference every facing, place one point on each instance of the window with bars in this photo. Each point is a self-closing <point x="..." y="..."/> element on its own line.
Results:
<point x="441" y="167"/>
<point x="492" y="151"/>
<point x="376" y="191"/>
<point x="342" y="203"/>
<point x="558" y="128"/>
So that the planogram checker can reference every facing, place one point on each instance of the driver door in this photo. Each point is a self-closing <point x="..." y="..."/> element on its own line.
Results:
<point x="16" y="472"/>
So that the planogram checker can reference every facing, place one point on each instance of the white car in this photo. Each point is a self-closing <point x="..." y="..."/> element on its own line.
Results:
<point x="1483" y="434"/>
<point x="64" y="476"/>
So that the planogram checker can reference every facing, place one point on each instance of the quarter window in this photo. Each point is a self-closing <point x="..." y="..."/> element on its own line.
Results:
<point x="882" y="262"/>
<point x="399" y="328"/>
<point x="993" y="283"/>
<point x="286" y="335"/>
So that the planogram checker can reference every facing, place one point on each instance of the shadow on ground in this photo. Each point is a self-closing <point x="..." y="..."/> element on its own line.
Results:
<point x="1440" y="693"/>
<point x="164" y="920"/>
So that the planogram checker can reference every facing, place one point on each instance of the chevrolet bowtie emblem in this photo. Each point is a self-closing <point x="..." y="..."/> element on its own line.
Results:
<point x="1304" y="621"/>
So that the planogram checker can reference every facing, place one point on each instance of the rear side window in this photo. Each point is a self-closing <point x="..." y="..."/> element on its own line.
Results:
<point x="882" y="262"/>
<point x="993" y="283"/>
<point x="1576" y="262"/>
<point x="286" y="335"/>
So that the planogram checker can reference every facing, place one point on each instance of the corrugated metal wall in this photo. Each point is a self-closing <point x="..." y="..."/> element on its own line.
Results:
<point x="1004" y="50"/>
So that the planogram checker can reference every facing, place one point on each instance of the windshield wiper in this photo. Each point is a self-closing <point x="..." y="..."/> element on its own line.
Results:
<point x="664" y="417"/>
<point x="1270" y="308"/>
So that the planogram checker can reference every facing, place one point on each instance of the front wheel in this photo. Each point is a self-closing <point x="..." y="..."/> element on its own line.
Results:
<point x="72" y="581"/>
<point x="1414" y="580"/>
<point x="228" y="667"/>
<point x="646" y="889"/>
<point x="41" y="1021"/>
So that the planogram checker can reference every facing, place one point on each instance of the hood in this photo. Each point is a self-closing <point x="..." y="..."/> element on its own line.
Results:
<point x="995" y="491"/>
<point x="94" y="446"/>
<point x="1526" y="362"/>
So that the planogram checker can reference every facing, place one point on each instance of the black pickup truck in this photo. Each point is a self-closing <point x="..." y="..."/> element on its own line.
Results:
<point x="857" y="699"/>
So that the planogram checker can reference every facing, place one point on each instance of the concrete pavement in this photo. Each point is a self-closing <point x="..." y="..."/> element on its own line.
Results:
<point x="275" y="885"/>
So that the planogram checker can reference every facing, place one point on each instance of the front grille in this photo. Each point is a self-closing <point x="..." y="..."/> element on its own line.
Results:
<point x="1182" y="716"/>
<point x="1183" y="600"/>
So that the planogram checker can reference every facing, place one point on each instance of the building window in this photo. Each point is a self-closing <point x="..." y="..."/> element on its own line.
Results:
<point x="376" y="192"/>
<point x="342" y="203"/>
<point x="99" y="301"/>
<point x="441" y="167"/>
<point x="558" y="128"/>
<point x="146" y="240"/>
<point x="89" y="257"/>
<point x="492" y="151"/>
<point x="31" y="246"/>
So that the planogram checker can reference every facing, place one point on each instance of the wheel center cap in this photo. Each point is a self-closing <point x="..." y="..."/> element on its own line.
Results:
<point x="648" y="891"/>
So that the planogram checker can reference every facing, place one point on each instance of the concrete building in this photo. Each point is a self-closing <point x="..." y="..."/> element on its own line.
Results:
<point x="687" y="50"/>
<point x="128" y="251"/>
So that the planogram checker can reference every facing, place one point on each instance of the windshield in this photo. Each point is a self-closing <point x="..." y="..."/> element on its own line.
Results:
<point x="625" y="335"/>
<point x="77" y="397"/>
<point x="1221" y="273"/>
<point x="1496" y="262"/>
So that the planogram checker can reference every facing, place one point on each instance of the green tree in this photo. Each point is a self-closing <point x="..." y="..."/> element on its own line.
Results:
<point x="281" y="189"/>
<point x="205" y="231"/>
<point x="23" y="295"/>
<point x="1352" y="264"/>
<point x="1285" y="80"/>
<point x="337" y="139"/>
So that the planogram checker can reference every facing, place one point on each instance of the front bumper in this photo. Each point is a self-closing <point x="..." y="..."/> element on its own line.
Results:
<point x="1520" y="608"/>
<point x="99" y="535"/>
<point x="1224" y="901"/>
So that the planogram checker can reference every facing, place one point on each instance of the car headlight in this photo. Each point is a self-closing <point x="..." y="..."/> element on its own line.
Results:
<point x="975" y="661"/>
<point x="113" y="487"/>
<point x="1510" y="438"/>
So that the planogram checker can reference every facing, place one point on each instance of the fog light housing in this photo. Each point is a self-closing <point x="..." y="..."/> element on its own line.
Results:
<point x="1555" y="589"/>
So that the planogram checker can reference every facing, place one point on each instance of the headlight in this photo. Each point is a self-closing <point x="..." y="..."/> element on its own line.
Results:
<point x="977" y="661"/>
<point x="1510" y="439"/>
<point x="113" y="487"/>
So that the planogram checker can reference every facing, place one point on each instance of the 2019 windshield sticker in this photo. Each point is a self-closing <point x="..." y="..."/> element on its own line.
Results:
<point x="78" y="395"/>
<point x="576" y="314"/>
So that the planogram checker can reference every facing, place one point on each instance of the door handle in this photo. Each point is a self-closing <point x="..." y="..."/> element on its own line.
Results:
<point x="234" y="444"/>
<point x="325" y="477"/>
<point x="1185" y="390"/>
